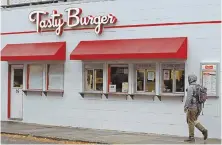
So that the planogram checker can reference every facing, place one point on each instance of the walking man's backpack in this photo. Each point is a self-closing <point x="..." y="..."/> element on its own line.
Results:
<point x="200" y="93"/>
<point x="201" y="96"/>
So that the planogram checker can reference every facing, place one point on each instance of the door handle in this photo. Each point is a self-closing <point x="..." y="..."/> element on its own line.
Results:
<point x="17" y="90"/>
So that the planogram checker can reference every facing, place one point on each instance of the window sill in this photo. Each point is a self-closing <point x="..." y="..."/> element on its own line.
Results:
<point x="32" y="90"/>
<point x="142" y="94"/>
<point x="173" y="95"/>
<point x="53" y="91"/>
<point x="115" y="93"/>
<point x="84" y="93"/>
<point x="145" y="94"/>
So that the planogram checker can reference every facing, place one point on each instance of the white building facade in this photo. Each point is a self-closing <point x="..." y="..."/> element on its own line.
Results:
<point x="129" y="76"/>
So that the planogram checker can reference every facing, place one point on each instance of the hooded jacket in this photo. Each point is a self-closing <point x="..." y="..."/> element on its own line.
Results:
<point x="191" y="102"/>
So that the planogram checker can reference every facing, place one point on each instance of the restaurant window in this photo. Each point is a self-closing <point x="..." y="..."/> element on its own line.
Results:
<point x="118" y="78"/>
<point x="93" y="77"/>
<point x="55" y="77"/>
<point x="145" y="78"/>
<point x="173" y="78"/>
<point x="35" y="76"/>
<point x="18" y="77"/>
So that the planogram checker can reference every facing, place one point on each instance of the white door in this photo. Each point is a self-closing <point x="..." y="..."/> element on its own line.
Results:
<point x="16" y="92"/>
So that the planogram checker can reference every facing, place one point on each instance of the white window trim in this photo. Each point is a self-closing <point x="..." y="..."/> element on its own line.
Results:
<point x="158" y="70"/>
<point x="28" y="76"/>
<point x="174" y="93"/>
<point x="175" y="82"/>
<point x="25" y="77"/>
<point x="84" y="74"/>
<point x="132" y="76"/>
<point x="105" y="78"/>
<point x="156" y="64"/>
<point x="144" y="82"/>
<point x="46" y="71"/>
<point x="121" y="64"/>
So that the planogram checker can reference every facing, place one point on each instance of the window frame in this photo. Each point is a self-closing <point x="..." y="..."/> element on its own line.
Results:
<point x="47" y="76"/>
<point x="174" y="77"/>
<point x="144" y="70"/>
<point x="132" y="76"/>
<point x="110" y="65"/>
<point x="12" y="68"/>
<point x="151" y="67"/>
<point x="28" y="77"/>
<point x="91" y="66"/>
<point x="175" y="81"/>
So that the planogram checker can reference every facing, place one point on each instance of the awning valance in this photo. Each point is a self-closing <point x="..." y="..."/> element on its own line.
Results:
<point x="151" y="48"/>
<point x="34" y="51"/>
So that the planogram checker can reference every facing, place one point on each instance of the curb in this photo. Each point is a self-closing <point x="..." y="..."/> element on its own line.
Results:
<point x="54" y="138"/>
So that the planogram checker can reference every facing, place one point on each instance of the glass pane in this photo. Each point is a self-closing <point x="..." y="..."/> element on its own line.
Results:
<point x="150" y="81"/>
<point x="140" y="80"/>
<point x="167" y="85"/>
<point x="119" y="78"/>
<point x="55" y="80"/>
<point x="18" y="78"/>
<point x="35" y="76"/>
<point x="179" y="75"/>
<point x="98" y="79"/>
<point x="89" y="80"/>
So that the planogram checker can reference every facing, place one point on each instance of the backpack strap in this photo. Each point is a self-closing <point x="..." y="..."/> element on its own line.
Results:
<point x="194" y="90"/>
<point x="202" y="109"/>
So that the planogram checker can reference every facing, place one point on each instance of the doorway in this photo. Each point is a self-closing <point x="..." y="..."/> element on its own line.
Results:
<point x="16" y="104"/>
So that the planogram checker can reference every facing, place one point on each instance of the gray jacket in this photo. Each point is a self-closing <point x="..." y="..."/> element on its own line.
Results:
<point x="191" y="102"/>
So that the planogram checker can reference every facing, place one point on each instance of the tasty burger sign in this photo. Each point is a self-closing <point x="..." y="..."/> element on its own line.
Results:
<point x="44" y="20"/>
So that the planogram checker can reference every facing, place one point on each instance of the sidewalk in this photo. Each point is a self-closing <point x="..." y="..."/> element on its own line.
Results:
<point x="92" y="135"/>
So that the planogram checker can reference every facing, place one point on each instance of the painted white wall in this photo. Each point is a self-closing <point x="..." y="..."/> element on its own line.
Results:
<point x="3" y="2"/>
<point x="140" y="115"/>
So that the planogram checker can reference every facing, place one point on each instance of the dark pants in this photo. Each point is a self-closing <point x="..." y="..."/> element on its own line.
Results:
<point x="192" y="116"/>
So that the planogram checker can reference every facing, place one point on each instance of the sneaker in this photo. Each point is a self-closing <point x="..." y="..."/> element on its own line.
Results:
<point x="190" y="139"/>
<point x="205" y="134"/>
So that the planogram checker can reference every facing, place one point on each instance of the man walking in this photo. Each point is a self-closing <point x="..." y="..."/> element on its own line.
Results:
<point x="193" y="109"/>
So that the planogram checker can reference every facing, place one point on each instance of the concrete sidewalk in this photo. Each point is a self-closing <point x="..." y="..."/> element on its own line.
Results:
<point x="92" y="135"/>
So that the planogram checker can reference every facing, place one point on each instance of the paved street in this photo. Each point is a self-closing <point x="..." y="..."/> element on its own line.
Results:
<point x="86" y="135"/>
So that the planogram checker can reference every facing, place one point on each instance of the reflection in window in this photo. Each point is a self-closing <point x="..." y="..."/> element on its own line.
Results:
<point x="179" y="74"/>
<point x="150" y="81"/>
<point x="145" y="80"/>
<point x="167" y="81"/>
<point x="18" y="78"/>
<point x="35" y="76"/>
<point x="140" y="80"/>
<point x="94" y="80"/>
<point x="119" y="79"/>
<point x="55" y="76"/>
<point x="173" y="78"/>
<point x="89" y="80"/>
<point x="98" y="79"/>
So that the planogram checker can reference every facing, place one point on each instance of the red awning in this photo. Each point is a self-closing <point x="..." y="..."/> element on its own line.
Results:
<point x="154" y="48"/>
<point x="34" y="51"/>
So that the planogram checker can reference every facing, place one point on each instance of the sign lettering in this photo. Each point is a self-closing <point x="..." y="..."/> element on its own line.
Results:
<point x="209" y="67"/>
<point x="74" y="19"/>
